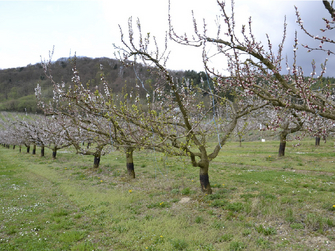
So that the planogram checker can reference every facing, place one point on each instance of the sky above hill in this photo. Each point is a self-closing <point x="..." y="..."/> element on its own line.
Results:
<point x="30" y="29"/>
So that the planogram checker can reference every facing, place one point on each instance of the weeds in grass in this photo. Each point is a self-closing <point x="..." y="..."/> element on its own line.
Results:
<point x="207" y="247"/>
<point x="175" y="191"/>
<point x="186" y="191"/>
<point x="218" y="225"/>
<point x="226" y="238"/>
<point x="266" y="230"/>
<point x="179" y="244"/>
<point x="199" y="219"/>
<point x="236" y="246"/>
<point x="246" y="232"/>
<point x="269" y="158"/>
<point x="297" y="226"/>
<point x="289" y="215"/>
<point x="263" y="242"/>
<point x="159" y="205"/>
<point x="218" y="203"/>
<point x="235" y="206"/>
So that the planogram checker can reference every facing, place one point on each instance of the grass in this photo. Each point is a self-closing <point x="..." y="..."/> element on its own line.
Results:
<point x="259" y="201"/>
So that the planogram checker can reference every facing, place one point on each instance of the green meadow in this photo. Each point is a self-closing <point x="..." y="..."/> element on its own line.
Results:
<point x="259" y="201"/>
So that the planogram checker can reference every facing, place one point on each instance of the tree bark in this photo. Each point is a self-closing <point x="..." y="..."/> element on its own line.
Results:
<point x="28" y="149"/>
<point x="54" y="152"/>
<point x="34" y="149"/>
<point x="204" y="177"/>
<point x="96" y="162"/>
<point x="282" y="145"/>
<point x="20" y="149"/>
<point x="42" y="151"/>
<point x="317" y="140"/>
<point x="130" y="162"/>
<point x="13" y="147"/>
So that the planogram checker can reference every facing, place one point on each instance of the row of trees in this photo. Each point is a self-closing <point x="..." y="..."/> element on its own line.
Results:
<point x="178" y="117"/>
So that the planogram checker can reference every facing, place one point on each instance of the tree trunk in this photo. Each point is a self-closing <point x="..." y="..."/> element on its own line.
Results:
<point x="88" y="145"/>
<point x="282" y="147"/>
<point x="34" y="149"/>
<point x="96" y="161"/>
<point x="130" y="162"/>
<point x="28" y="149"/>
<point x="317" y="140"/>
<point x="324" y="139"/>
<point x="13" y="147"/>
<point x="42" y="151"/>
<point x="20" y="149"/>
<point x="204" y="178"/>
<point x="282" y="144"/>
<point x="54" y="152"/>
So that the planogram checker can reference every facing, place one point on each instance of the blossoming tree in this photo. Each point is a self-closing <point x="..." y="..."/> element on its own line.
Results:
<point x="176" y="112"/>
<point x="258" y="69"/>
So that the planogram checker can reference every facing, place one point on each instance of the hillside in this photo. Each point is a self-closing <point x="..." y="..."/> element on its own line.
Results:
<point x="17" y="84"/>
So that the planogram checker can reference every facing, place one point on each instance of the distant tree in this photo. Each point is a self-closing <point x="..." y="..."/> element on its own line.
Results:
<point x="287" y="121"/>
<point x="243" y="126"/>
<point x="85" y="115"/>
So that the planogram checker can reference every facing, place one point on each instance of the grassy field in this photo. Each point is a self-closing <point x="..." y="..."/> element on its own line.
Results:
<point x="259" y="201"/>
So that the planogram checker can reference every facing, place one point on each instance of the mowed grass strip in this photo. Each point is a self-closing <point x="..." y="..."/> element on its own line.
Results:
<point x="35" y="214"/>
<point x="260" y="202"/>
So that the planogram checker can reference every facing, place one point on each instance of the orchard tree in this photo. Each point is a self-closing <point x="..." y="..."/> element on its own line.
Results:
<point x="23" y="133"/>
<point x="176" y="112"/>
<point x="76" y="132"/>
<point x="30" y="130"/>
<point x="7" y="137"/>
<point x="39" y="131"/>
<point x="319" y="127"/>
<point x="245" y="125"/>
<point x="85" y="114"/>
<point x="286" y="121"/>
<point x="66" y="117"/>
<point x="257" y="69"/>
<point x="51" y="135"/>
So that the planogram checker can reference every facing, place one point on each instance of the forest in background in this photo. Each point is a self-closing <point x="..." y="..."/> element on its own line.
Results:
<point x="17" y="85"/>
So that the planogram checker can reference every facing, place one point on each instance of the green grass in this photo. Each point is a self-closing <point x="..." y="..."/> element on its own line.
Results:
<point x="259" y="201"/>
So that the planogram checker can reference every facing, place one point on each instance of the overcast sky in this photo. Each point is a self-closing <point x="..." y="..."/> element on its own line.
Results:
<point x="29" y="29"/>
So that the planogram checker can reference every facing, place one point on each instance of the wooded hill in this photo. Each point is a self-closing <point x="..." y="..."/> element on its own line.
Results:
<point x="17" y="84"/>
